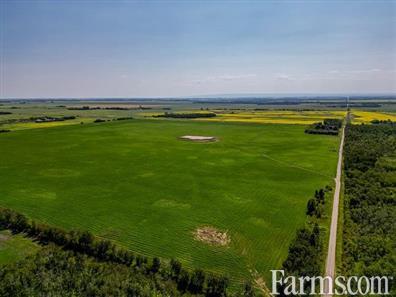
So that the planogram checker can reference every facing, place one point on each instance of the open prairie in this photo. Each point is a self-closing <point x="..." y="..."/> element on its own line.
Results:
<point x="135" y="182"/>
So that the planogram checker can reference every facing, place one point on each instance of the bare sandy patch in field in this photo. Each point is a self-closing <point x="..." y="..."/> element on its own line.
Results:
<point x="212" y="236"/>
<point x="198" y="138"/>
<point x="260" y="283"/>
<point x="4" y="237"/>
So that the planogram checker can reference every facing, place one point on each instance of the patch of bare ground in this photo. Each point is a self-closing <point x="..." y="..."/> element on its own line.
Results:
<point x="212" y="236"/>
<point x="4" y="237"/>
<point x="198" y="138"/>
<point x="260" y="284"/>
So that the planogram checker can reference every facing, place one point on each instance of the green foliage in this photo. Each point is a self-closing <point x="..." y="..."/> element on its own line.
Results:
<point x="248" y="290"/>
<point x="315" y="205"/>
<point x="197" y="281"/>
<point x="311" y="207"/>
<point x="304" y="254"/>
<point x="306" y="251"/>
<point x="104" y="250"/>
<point x="369" y="235"/>
<point x="327" y="127"/>
<point x="186" y="115"/>
<point x="54" y="272"/>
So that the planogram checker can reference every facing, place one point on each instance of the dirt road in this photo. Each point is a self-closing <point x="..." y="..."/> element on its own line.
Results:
<point x="331" y="254"/>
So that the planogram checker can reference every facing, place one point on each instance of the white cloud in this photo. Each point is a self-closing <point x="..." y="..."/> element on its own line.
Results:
<point x="283" y="76"/>
<point x="356" y="71"/>
<point x="365" y="71"/>
<point x="224" y="77"/>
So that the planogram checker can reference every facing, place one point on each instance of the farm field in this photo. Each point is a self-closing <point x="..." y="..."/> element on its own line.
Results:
<point x="278" y="116"/>
<point x="136" y="183"/>
<point x="19" y="116"/>
<point x="361" y="116"/>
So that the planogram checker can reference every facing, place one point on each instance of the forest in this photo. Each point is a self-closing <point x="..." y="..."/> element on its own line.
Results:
<point x="369" y="232"/>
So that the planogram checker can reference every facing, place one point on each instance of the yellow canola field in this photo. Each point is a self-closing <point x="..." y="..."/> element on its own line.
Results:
<point x="359" y="116"/>
<point x="276" y="116"/>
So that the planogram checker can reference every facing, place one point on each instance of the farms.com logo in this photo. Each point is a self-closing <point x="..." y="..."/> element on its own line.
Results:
<point x="327" y="286"/>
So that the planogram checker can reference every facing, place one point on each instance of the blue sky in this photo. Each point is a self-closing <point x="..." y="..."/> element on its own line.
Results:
<point x="182" y="48"/>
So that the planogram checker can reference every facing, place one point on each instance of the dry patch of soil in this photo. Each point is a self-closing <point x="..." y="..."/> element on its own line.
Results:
<point x="260" y="284"/>
<point x="198" y="138"/>
<point x="4" y="237"/>
<point x="212" y="236"/>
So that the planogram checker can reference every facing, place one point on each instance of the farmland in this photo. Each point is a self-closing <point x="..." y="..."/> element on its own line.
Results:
<point x="136" y="183"/>
<point x="278" y="116"/>
<point x="362" y="116"/>
<point x="17" y="116"/>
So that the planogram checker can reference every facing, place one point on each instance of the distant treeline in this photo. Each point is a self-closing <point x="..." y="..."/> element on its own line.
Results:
<point x="4" y="130"/>
<point x="40" y="119"/>
<point x="115" y="119"/>
<point x="327" y="127"/>
<point x="51" y="119"/>
<point x="123" y="119"/>
<point x="351" y="104"/>
<point x="5" y="112"/>
<point x="369" y="233"/>
<point x="148" y="277"/>
<point x="186" y="115"/>
<point x="108" y="108"/>
<point x="383" y="122"/>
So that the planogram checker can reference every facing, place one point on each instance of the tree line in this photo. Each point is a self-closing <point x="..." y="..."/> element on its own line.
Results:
<point x="186" y="115"/>
<point x="383" y="122"/>
<point x="369" y="233"/>
<point x="306" y="253"/>
<point x="51" y="119"/>
<point x="84" y="244"/>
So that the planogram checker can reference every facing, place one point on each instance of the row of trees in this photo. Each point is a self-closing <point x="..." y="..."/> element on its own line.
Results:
<point x="383" y="122"/>
<point x="315" y="205"/>
<point x="186" y="115"/>
<point x="369" y="233"/>
<point x="306" y="251"/>
<point x="56" y="272"/>
<point x="305" y="255"/>
<point x="196" y="282"/>
<point x="86" y="107"/>
<point x="51" y="119"/>
<point x="115" y="119"/>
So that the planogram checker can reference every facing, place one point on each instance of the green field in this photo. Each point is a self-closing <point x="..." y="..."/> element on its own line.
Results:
<point x="15" y="247"/>
<point x="136" y="183"/>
